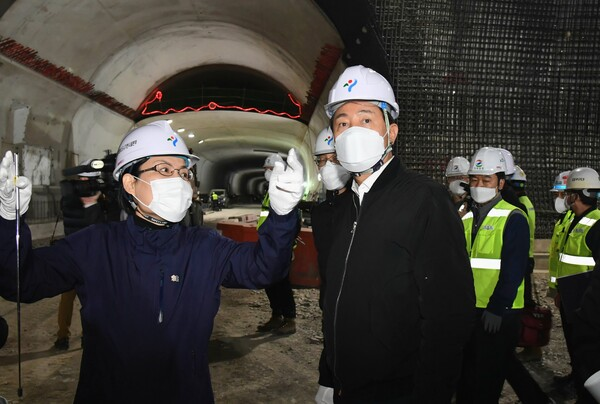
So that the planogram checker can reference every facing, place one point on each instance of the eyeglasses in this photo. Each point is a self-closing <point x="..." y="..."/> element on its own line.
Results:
<point x="167" y="170"/>
<point x="320" y="161"/>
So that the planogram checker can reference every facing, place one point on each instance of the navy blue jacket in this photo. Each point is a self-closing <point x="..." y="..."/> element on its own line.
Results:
<point x="149" y="298"/>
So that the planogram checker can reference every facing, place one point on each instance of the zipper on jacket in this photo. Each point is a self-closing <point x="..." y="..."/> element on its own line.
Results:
<point x="160" y="296"/>
<point x="337" y="300"/>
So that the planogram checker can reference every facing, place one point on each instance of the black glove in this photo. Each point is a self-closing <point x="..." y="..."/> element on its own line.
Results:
<point x="491" y="322"/>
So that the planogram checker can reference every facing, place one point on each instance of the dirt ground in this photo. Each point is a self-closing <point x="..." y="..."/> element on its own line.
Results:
<point x="246" y="367"/>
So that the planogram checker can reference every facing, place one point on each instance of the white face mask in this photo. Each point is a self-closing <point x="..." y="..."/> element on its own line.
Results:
<point x="268" y="175"/>
<point x="482" y="195"/>
<point x="334" y="176"/>
<point x="359" y="149"/>
<point x="171" y="198"/>
<point x="456" y="188"/>
<point x="559" y="205"/>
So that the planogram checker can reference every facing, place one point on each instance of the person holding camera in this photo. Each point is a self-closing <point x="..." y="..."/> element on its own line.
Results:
<point x="149" y="287"/>
<point x="79" y="211"/>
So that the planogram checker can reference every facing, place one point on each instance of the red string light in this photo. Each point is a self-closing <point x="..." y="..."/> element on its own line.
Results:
<point x="213" y="105"/>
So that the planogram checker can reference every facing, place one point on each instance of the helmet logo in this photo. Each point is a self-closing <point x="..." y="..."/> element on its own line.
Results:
<point x="328" y="140"/>
<point x="350" y="83"/>
<point x="478" y="164"/>
<point x="173" y="139"/>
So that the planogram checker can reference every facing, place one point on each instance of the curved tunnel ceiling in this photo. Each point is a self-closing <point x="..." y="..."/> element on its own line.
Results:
<point x="122" y="52"/>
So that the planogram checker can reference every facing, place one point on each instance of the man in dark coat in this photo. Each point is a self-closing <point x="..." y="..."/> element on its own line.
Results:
<point x="399" y="304"/>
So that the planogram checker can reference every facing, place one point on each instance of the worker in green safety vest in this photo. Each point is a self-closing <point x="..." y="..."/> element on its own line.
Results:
<point x="576" y="257"/>
<point x="497" y="238"/>
<point x="560" y="229"/>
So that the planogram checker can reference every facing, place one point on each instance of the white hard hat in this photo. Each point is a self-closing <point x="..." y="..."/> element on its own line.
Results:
<point x="487" y="161"/>
<point x="272" y="159"/>
<point x="509" y="160"/>
<point x="359" y="83"/>
<point x="89" y="174"/>
<point x="155" y="139"/>
<point x="324" y="143"/>
<point x="519" y="175"/>
<point x="560" y="182"/>
<point x="583" y="178"/>
<point x="457" y="166"/>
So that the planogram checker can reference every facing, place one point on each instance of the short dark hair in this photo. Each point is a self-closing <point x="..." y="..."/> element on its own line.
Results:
<point x="125" y="198"/>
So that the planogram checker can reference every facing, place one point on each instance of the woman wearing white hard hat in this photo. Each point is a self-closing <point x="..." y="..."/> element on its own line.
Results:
<point x="149" y="287"/>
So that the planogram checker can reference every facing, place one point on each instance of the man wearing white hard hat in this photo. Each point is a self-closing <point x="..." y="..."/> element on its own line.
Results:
<point x="559" y="235"/>
<point x="335" y="179"/>
<point x="577" y="259"/>
<point x="458" y="180"/>
<point x="497" y="237"/>
<point x="399" y="300"/>
<point x="149" y="287"/>
<point x="560" y="228"/>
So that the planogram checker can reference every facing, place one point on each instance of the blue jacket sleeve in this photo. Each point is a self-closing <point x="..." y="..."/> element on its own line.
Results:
<point x="271" y="257"/>
<point x="515" y="254"/>
<point x="38" y="280"/>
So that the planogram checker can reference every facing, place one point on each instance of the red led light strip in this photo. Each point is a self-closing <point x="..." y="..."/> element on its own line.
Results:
<point x="213" y="105"/>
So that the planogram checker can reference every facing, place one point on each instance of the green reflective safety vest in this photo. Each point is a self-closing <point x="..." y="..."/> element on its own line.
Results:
<point x="264" y="210"/>
<point x="575" y="256"/>
<point x="530" y="220"/>
<point x="486" y="252"/>
<point x="556" y="244"/>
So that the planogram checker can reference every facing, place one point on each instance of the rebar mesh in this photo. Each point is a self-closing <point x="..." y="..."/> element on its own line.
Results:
<point x="517" y="74"/>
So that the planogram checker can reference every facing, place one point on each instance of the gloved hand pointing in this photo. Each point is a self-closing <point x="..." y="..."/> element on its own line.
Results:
<point x="7" y="189"/>
<point x="286" y="184"/>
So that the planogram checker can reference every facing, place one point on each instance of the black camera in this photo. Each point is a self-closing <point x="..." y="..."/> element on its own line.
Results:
<point x="99" y="174"/>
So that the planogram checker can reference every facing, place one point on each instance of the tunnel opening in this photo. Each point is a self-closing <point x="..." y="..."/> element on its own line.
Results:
<point x="220" y="87"/>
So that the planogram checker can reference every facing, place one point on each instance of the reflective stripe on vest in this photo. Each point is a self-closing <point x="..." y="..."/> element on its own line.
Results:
<point x="576" y="260"/>
<point x="264" y="210"/>
<point x="575" y="257"/>
<point x="486" y="251"/>
<point x="486" y="263"/>
<point x="556" y="245"/>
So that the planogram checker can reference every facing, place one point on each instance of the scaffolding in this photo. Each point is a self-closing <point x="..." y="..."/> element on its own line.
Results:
<point x="518" y="74"/>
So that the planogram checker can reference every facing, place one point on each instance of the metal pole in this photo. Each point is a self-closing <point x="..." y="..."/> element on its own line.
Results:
<point x="18" y="217"/>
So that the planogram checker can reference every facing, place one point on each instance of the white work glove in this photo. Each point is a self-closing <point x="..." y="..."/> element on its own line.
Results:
<point x="286" y="184"/>
<point x="324" y="395"/>
<point x="7" y="189"/>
